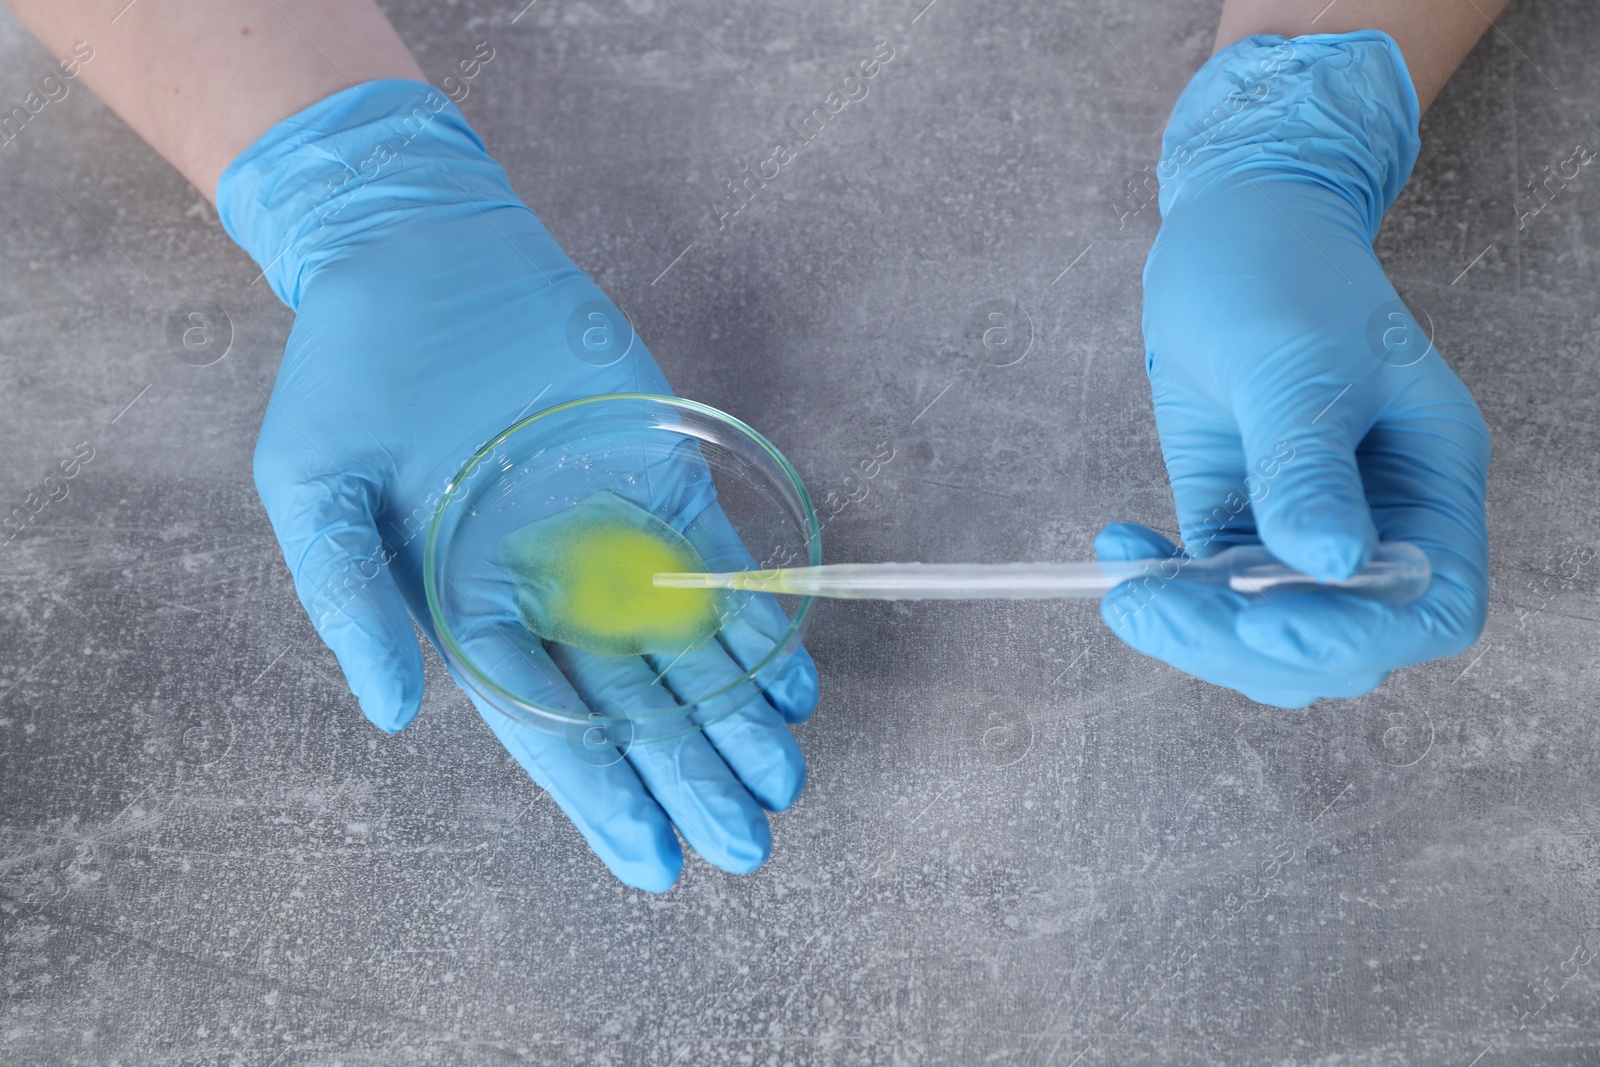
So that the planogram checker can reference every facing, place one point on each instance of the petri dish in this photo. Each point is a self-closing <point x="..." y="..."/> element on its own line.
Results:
<point x="712" y="479"/>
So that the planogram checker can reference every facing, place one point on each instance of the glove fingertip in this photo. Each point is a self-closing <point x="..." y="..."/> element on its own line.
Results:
<point x="391" y="702"/>
<point x="386" y="679"/>
<point x="1330" y="543"/>
<point x="746" y="853"/>
<point x="1126" y="540"/>
<point x="1273" y="698"/>
<point x="630" y="835"/>
<point x="782" y="790"/>
<point x="655" y="871"/>
<point x="797" y="689"/>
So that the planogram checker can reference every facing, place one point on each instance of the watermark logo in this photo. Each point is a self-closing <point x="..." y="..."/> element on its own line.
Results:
<point x="1395" y="337"/>
<point x="600" y="741"/>
<point x="1542" y="193"/>
<point x="599" y="334"/>
<point x="853" y="87"/>
<point x="1400" y="735"/>
<point x="999" y="333"/>
<point x="51" y="489"/>
<point x="1250" y="92"/>
<point x="199" y="334"/>
<point x="1001" y="732"/>
<point x="51" y="89"/>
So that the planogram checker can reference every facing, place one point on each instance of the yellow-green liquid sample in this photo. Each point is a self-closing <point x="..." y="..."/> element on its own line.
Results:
<point x="583" y="578"/>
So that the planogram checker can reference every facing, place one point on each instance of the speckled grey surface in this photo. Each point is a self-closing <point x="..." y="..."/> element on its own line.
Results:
<point x="1020" y="843"/>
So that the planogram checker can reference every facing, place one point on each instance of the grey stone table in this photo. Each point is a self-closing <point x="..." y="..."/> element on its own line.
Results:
<point x="1020" y="843"/>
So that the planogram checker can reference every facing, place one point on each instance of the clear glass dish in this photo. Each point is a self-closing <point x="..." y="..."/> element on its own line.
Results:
<point x="703" y="472"/>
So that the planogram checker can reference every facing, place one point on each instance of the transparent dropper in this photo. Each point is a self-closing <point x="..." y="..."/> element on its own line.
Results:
<point x="1397" y="573"/>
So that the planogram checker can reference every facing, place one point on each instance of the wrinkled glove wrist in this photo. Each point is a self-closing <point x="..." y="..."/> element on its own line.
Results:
<point x="347" y="166"/>
<point x="1338" y="109"/>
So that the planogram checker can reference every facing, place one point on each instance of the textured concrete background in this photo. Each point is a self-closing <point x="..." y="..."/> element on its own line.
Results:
<point x="1021" y="843"/>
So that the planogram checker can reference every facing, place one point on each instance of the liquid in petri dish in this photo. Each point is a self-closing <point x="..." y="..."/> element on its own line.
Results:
<point x="583" y="578"/>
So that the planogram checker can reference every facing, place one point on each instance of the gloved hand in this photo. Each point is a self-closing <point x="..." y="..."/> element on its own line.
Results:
<point x="1298" y="401"/>
<point x="433" y="310"/>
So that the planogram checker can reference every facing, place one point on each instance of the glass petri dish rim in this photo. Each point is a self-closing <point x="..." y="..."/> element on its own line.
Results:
<point x="430" y="550"/>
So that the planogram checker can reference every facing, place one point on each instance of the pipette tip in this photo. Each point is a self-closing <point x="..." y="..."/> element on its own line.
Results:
<point x="692" y="580"/>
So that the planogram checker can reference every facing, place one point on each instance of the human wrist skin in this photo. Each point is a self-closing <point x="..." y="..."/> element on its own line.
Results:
<point x="1434" y="35"/>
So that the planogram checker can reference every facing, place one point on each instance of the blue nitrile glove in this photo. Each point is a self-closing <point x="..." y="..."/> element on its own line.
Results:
<point x="433" y="309"/>
<point x="1298" y="401"/>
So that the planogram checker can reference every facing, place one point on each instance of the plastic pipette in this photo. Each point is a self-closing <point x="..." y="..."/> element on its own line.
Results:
<point x="1398" y="573"/>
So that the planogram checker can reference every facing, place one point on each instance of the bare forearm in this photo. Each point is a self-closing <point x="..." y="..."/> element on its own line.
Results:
<point x="201" y="81"/>
<point x="1433" y="35"/>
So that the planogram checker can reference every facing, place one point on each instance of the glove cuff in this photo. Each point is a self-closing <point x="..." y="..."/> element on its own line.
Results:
<point x="349" y="165"/>
<point x="1338" y="109"/>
